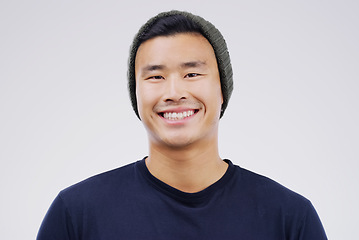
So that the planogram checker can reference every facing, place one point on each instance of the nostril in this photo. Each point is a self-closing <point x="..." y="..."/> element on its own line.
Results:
<point x="168" y="100"/>
<point x="175" y="99"/>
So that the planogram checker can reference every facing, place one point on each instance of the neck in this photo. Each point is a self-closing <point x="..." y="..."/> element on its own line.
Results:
<point x="189" y="169"/>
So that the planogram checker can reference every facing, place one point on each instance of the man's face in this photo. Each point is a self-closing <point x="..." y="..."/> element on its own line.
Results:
<point x="178" y="89"/>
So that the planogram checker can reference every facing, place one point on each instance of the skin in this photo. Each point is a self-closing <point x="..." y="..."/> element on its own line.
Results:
<point x="179" y="74"/>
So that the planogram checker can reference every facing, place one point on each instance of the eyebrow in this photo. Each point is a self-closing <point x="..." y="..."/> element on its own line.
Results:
<point x="155" y="67"/>
<point x="150" y="68"/>
<point x="193" y="64"/>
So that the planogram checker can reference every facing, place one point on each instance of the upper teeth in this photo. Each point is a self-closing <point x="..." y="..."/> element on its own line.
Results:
<point x="178" y="116"/>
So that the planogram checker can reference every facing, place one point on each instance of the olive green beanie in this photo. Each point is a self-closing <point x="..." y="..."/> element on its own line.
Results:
<point x="210" y="32"/>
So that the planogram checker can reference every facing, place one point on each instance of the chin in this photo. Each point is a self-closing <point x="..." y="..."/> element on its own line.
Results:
<point x="176" y="142"/>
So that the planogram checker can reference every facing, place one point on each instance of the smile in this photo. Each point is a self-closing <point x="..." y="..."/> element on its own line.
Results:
<point x="178" y="115"/>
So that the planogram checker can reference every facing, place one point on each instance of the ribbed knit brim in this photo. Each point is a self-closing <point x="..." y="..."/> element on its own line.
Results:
<point x="211" y="33"/>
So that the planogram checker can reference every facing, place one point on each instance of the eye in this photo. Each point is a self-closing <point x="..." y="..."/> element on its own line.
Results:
<point x="191" y="75"/>
<point x="155" y="78"/>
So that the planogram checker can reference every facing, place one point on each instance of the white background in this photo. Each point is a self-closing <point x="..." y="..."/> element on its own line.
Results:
<point x="66" y="115"/>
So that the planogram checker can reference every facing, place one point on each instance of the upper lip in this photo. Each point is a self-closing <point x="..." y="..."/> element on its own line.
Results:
<point x="176" y="110"/>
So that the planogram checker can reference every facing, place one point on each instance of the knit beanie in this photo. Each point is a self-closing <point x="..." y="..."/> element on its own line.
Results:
<point x="210" y="32"/>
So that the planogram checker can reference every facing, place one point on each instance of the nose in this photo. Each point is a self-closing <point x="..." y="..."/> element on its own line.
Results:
<point x="174" y="90"/>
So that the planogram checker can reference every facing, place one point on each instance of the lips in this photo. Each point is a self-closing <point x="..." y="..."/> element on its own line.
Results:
<point x="178" y="115"/>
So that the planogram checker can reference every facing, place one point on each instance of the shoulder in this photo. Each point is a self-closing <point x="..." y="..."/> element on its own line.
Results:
<point x="100" y="184"/>
<point x="269" y="191"/>
<point x="275" y="204"/>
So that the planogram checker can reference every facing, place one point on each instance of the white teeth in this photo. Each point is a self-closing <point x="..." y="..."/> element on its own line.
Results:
<point x="178" y="116"/>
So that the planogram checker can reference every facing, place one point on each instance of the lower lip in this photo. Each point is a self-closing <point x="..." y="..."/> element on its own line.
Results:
<point x="178" y="122"/>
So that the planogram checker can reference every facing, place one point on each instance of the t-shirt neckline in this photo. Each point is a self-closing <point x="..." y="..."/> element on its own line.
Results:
<point x="185" y="196"/>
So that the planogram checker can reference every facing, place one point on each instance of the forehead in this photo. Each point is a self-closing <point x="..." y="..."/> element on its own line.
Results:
<point x="175" y="50"/>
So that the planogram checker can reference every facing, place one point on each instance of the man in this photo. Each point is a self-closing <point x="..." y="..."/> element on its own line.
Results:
<point x="180" y="81"/>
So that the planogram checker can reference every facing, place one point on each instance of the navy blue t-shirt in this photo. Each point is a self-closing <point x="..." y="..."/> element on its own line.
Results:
<point x="130" y="203"/>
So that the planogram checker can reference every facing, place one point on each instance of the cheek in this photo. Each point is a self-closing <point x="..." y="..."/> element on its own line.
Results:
<point x="211" y="94"/>
<point x="146" y="98"/>
<point x="141" y="99"/>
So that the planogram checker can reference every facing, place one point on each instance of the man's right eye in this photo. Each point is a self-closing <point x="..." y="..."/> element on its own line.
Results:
<point x="155" y="77"/>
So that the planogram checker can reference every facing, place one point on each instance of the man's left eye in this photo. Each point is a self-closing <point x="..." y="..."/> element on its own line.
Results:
<point x="190" y="75"/>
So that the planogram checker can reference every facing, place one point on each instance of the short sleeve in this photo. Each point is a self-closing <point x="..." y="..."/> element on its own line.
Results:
<point x="312" y="227"/>
<point x="57" y="223"/>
